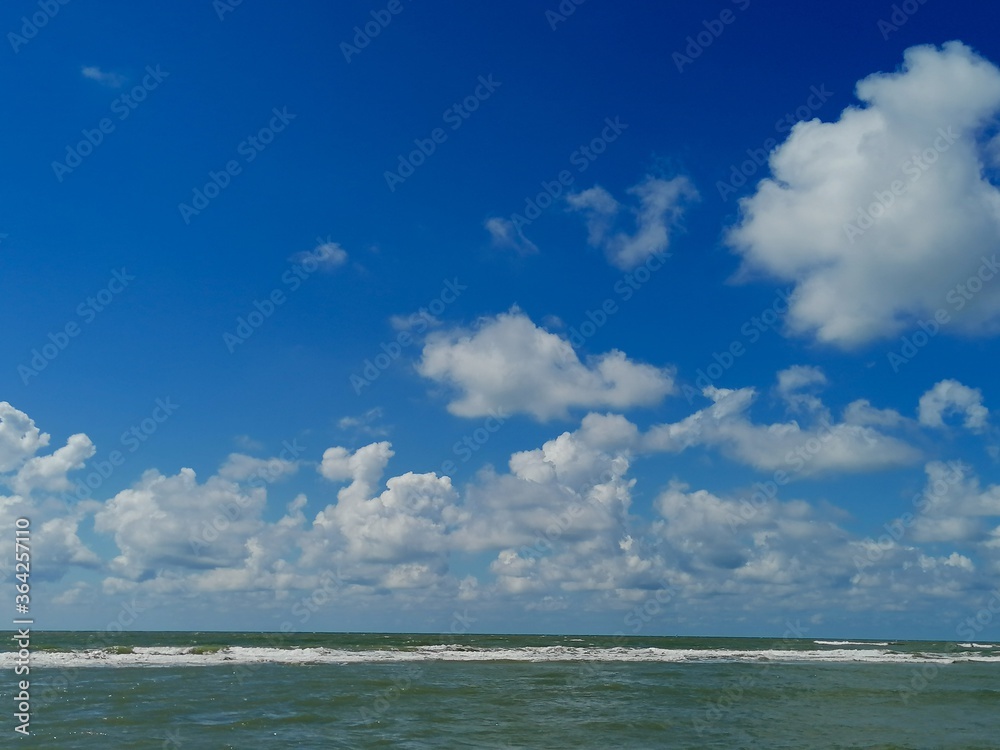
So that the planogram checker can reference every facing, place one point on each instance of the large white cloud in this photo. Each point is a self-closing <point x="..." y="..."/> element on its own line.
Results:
<point x="395" y="539"/>
<point x="661" y="205"/>
<point x="555" y="529"/>
<point x="176" y="521"/>
<point x="917" y="146"/>
<point x="561" y="517"/>
<point x="508" y="364"/>
<point x="824" y="447"/>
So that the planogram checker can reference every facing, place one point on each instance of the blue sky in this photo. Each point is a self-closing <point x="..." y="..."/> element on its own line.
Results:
<point x="284" y="282"/>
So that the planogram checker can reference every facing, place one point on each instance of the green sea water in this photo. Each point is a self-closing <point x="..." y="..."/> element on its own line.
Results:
<point x="229" y="690"/>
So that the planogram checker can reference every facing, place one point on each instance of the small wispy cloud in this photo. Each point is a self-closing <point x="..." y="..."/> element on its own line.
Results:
<point x="326" y="256"/>
<point x="366" y="424"/>
<point x="94" y="73"/>
<point x="505" y="234"/>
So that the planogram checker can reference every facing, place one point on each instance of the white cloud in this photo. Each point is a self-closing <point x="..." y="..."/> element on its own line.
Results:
<point x="861" y="412"/>
<point x="796" y="378"/>
<point x="94" y="73"/>
<point x="248" y="443"/>
<point x="363" y="467"/>
<point x="509" y="364"/>
<point x="953" y="506"/>
<point x="19" y="438"/>
<point x="661" y="205"/>
<point x="240" y="467"/>
<point x="326" y="256"/>
<point x="49" y="472"/>
<point x="504" y="234"/>
<point x="786" y="446"/>
<point x="364" y="423"/>
<point x="918" y="128"/>
<point x="57" y="544"/>
<point x="556" y="529"/>
<point x="398" y="538"/>
<point x="951" y="397"/>
<point x="175" y="521"/>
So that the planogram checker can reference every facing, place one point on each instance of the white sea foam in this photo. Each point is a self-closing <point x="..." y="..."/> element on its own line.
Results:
<point x="852" y="643"/>
<point x="179" y="657"/>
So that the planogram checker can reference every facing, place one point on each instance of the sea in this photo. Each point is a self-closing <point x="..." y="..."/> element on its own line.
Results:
<point x="417" y="691"/>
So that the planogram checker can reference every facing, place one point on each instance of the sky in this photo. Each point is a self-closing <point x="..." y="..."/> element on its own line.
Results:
<point x="531" y="317"/>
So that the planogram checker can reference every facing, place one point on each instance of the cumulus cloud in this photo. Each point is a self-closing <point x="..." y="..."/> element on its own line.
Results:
<point x="556" y="528"/>
<point x="661" y="205"/>
<point x="797" y="556"/>
<point x="824" y="447"/>
<point x="507" y="363"/>
<point x="736" y="542"/>
<point x="561" y="516"/>
<point x="504" y="234"/>
<point x="363" y="467"/>
<point x="397" y="538"/>
<point x="879" y="216"/>
<point x="953" y="506"/>
<point x="49" y="472"/>
<point x="176" y="521"/>
<point x="951" y="397"/>
<point x="19" y="437"/>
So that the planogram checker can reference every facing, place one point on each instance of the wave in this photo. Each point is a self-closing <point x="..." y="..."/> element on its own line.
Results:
<point x="852" y="643"/>
<point x="162" y="656"/>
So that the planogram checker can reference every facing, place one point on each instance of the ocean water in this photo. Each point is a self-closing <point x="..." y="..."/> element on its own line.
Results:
<point x="415" y="692"/>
